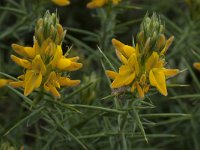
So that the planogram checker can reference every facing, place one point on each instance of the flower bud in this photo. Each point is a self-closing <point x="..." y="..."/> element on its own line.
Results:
<point x="48" y="27"/>
<point x="151" y="30"/>
<point x="160" y="43"/>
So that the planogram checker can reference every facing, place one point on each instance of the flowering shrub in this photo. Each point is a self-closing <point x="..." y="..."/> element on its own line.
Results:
<point x="89" y="90"/>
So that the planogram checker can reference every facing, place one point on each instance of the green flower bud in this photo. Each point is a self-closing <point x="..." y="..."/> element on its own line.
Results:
<point x="48" y="27"/>
<point x="151" y="29"/>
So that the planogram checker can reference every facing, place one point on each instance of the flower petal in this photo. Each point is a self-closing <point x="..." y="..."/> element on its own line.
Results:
<point x="171" y="72"/>
<point x="133" y="63"/>
<point x="96" y="3"/>
<point x="197" y="65"/>
<point x="152" y="61"/>
<point x="74" y="66"/>
<point x="38" y="65"/>
<point x="111" y="74"/>
<point x="3" y="82"/>
<point x="133" y="87"/>
<point x="115" y="2"/>
<point x="61" y="2"/>
<point x="54" y="91"/>
<point x="140" y="91"/>
<point x="63" y="63"/>
<point x="17" y="84"/>
<point x="126" y="50"/>
<point x="64" y="81"/>
<point x="21" y="62"/>
<point x="157" y="79"/>
<point x="168" y="43"/>
<point x="123" y="80"/>
<point x="28" y="52"/>
<point x="32" y="81"/>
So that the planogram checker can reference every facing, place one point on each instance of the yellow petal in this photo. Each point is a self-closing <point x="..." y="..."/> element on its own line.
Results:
<point x="129" y="50"/>
<point x="28" y="52"/>
<point x="21" y="62"/>
<point x="152" y="61"/>
<point x="124" y="77"/>
<point x="52" y="89"/>
<point x="17" y="84"/>
<point x="3" y="82"/>
<point x="126" y="50"/>
<point x="111" y="74"/>
<point x="143" y="79"/>
<point x="140" y="91"/>
<point x="61" y="2"/>
<point x="133" y="63"/>
<point x="124" y="70"/>
<point x="32" y="81"/>
<point x="168" y="43"/>
<point x="122" y="58"/>
<point x="123" y="80"/>
<point x="63" y="63"/>
<point x="197" y="65"/>
<point x="52" y="83"/>
<point x="171" y="72"/>
<point x="133" y="88"/>
<point x="157" y="79"/>
<point x="58" y="55"/>
<point x="74" y="66"/>
<point x="38" y="65"/>
<point x="21" y="77"/>
<point x="64" y="81"/>
<point x="96" y="3"/>
<point x="74" y="59"/>
<point x="115" y="2"/>
<point x="146" y="88"/>
<point x="118" y="45"/>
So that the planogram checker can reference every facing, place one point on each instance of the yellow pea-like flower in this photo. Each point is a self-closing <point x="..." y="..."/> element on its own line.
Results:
<point x="55" y="81"/>
<point x="139" y="72"/>
<point x="157" y="79"/>
<point x="101" y="3"/>
<point x="45" y="62"/>
<point x="61" y="2"/>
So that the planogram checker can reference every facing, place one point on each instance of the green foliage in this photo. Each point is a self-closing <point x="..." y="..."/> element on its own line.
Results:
<point x="92" y="116"/>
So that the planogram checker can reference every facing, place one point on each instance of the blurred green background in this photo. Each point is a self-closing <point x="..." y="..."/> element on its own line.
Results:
<point x="87" y="28"/>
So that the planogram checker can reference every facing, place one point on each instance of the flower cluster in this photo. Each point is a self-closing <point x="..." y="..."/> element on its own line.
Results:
<point x="44" y="63"/>
<point x="101" y="3"/>
<point x="144" y="64"/>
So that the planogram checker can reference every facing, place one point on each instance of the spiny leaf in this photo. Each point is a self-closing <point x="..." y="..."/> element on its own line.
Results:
<point x="34" y="113"/>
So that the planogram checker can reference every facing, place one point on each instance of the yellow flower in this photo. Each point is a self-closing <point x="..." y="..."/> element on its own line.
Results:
<point x="157" y="72"/>
<point x="54" y="81"/>
<point x="61" y="2"/>
<point x="32" y="79"/>
<point x="50" y="58"/>
<point x="61" y="62"/>
<point x="197" y="65"/>
<point x="3" y="82"/>
<point x="127" y="72"/>
<point x="139" y="73"/>
<point x="45" y="62"/>
<point x="101" y="3"/>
